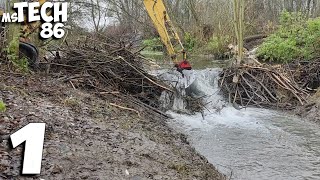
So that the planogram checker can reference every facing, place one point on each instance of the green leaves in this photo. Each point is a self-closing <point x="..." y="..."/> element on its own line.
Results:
<point x="190" y="41"/>
<point x="2" y="107"/>
<point x="13" y="56"/>
<point x="279" y="49"/>
<point x="218" y="44"/>
<point x="152" y="44"/>
<point x="296" y="38"/>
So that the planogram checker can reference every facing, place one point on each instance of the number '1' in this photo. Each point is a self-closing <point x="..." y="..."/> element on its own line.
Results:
<point x="33" y="135"/>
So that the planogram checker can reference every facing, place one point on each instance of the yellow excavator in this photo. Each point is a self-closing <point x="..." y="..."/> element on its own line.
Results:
<point x="158" y="14"/>
<point x="168" y="34"/>
<point x="171" y="40"/>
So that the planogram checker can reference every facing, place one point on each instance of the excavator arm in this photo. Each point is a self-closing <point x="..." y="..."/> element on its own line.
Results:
<point x="170" y="38"/>
<point x="168" y="34"/>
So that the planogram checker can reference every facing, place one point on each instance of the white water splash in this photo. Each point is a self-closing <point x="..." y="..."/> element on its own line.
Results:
<point x="250" y="143"/>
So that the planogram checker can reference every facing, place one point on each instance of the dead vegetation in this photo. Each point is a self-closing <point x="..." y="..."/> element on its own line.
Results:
<point x="279" y="86"/>
<point x="110" y="69"/>
<point x="307" y="73"/>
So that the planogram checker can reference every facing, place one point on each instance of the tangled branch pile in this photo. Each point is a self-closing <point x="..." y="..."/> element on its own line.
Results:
<point x="110" y="69"/>
<point x="307" y="73"/>
<point x="262" y="86"/>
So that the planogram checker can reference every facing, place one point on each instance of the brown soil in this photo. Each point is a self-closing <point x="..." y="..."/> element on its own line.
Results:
<point x="87" y="138"/>
<point x="311" y="110"/>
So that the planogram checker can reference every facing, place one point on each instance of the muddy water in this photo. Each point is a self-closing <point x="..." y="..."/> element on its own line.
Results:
<point x="198" y="62"/>
<point x="251" y="143"/>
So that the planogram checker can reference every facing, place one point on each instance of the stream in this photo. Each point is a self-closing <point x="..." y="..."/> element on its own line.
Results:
<point x="250" y="143"/>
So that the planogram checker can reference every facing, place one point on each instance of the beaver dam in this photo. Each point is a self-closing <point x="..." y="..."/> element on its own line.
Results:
<point x="271" y="86"/>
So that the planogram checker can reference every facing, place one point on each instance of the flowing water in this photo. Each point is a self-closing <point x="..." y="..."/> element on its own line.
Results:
<point x="250" y="143"/>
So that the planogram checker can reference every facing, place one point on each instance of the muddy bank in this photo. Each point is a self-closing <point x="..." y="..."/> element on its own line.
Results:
<point x="87" y="138"/>
<point x="311" y="110"/>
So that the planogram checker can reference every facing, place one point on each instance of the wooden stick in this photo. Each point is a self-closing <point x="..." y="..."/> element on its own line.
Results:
<point x="262" y="86"/>
<point x="163" y="87"/>
<point x="121" y="107"/>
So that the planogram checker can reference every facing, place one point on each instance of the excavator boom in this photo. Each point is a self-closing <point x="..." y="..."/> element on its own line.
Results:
<point x="170" y="38"/>
<point x="168" y="34"/>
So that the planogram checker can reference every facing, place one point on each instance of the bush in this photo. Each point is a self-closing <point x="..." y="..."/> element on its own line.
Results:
<point x="312" y="37"/>
<point x="279" y="49"/>
<point x="218" y="45"/>
<point x="21" y="64"/>
<point x="154" y="44"/>
<point x="190" y="42"/>
<point x="296" y="38"/>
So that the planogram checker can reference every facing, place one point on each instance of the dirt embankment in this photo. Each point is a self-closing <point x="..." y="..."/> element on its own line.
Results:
<point x="311" y="110"/>
<point x="87" y="138"/>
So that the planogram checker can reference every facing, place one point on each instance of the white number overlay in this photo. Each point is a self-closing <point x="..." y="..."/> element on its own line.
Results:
<point x="33" y="135"/>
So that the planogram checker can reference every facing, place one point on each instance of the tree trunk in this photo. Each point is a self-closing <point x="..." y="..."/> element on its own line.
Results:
<point x="13" y="30"/>
<point x="239" y="27"/>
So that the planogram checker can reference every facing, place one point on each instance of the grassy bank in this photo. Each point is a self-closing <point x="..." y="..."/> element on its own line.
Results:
<point x="296" y="38"/>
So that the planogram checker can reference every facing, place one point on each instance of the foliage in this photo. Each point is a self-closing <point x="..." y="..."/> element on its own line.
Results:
<point x="291" y="21"/>
<point x="312" y="37"/>
<point x="190" y="41"/>
<point x="2" y="106"/>
<point x="153" y="44"/>
<point x="296" y="38"/>
<point x="279" y="49"/>
<point x="218" y="44"/>
<point x="21" y="63"/>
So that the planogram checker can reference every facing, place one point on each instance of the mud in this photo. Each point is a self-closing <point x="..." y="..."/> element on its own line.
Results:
<point x="311" y="110"/>
<point x="86" y="138"/>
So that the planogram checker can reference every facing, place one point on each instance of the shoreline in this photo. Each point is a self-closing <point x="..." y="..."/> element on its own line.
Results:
<point x="311" y="110"/>
<point x="86" y="138"/>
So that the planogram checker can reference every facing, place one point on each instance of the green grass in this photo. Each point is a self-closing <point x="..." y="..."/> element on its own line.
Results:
<point x="2" y="106"/>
